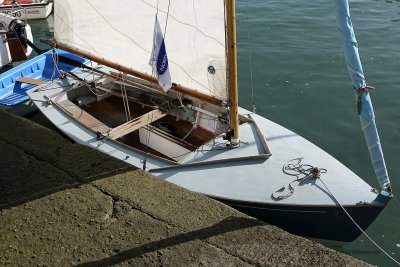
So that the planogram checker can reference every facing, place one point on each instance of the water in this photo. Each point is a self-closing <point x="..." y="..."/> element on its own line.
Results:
<point x="300" y="81"/>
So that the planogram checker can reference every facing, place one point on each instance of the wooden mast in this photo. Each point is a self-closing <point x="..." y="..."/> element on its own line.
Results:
<point x="179" y="88"/>
<point x="232" y="71"/>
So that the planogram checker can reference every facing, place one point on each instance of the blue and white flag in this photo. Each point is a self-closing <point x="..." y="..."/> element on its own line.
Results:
<point x="159" y="59"/>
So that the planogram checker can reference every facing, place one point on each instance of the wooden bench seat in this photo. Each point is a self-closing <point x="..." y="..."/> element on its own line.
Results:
<point x="136" y="123"/>
<point x="30" y="81"/>
<point x="83" y="117"/>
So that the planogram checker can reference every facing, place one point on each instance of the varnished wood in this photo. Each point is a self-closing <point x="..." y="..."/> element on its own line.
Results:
<point x="17" y="51"/>
<point x="83" y="117"/>
<point x="179" y="88"/>
<point x="136" y="123"/>
<point x="232" y="68"/>
<point x="30" y="81"/>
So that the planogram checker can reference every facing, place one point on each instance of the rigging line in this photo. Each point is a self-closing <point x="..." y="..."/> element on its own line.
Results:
<point x="250" y="57"/>
<point x="226" y="51"/>
<point x="186" y="24"/>
<point x="55" y="58"/>
<point x="96" y="79"/>
<point x="67" y="25"/>
<point x="359" y="228"/>
<point x="158" y="1"/>
<point x="196" y="52"/>
<point x="149" y="131"/>
<point x="92" y="69"/>
<point x="188" y="113"/>
<point x="166" y="20"/>
<point x="200" y="149"/>
<point x="194" y="125"/>
<point x="94" y="91"/>
<point x="190" y="25"/>
<point x="144" y="49"/>
<point x="127" y="36"/>
<point x="124" y="101"/>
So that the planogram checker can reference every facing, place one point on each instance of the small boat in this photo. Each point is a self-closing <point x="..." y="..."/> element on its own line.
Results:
<point x="167" y="101"/>
<point x="15" y="82"/>
<point x="27" y="9"/>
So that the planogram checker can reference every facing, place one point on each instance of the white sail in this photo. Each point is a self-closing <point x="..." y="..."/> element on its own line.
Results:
<point x="122" y="31"/>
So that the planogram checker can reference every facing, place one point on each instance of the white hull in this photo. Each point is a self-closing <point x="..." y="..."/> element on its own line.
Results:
<point x="245" y="174"/>
<point x="28" y="11"/>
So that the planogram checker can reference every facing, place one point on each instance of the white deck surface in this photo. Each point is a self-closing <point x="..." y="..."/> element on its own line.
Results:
<point x="247" y="179"/>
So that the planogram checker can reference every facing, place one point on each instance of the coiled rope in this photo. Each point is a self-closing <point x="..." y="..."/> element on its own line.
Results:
<point x="301" y="172"/>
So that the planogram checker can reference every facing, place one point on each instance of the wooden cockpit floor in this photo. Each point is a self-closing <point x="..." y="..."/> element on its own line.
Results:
<point x="111" y="112"/>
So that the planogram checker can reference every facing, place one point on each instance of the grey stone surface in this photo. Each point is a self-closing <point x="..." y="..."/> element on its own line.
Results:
<point x="64" y="204"/>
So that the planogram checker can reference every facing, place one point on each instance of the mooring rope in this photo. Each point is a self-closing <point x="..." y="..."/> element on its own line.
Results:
<point x="355" y="223"/>
<point x="296" y="169"/>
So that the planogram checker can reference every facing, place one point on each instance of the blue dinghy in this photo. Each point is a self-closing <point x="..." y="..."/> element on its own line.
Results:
<point x="15" y="82"/>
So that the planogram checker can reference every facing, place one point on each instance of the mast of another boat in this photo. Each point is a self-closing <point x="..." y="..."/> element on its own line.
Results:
<point x="232" y="71"/>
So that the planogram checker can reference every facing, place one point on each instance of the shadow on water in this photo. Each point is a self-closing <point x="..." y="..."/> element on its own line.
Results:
<point x="35" y="162"/>
<point x="228" y="225"/>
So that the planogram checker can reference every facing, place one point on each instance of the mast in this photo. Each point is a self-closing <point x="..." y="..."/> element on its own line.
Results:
<point x="232" y="71"/>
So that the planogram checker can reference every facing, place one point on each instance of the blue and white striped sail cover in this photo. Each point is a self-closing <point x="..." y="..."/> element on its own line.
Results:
<point x="367" y="116"/>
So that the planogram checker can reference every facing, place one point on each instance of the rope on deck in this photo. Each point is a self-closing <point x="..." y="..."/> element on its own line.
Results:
<point x="299" y="170"/>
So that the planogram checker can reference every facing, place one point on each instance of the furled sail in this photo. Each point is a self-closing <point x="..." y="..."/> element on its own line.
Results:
<point x="366" y="112"/>
<point x="122" y="31"/>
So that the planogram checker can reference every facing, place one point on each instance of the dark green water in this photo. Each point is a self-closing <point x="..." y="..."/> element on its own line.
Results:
<point x="301" y="82"/>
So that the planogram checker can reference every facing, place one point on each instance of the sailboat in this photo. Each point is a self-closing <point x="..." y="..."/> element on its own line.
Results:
<point x="160" y="93"/>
